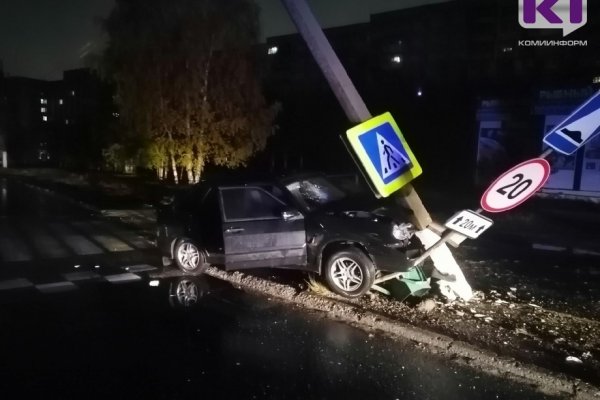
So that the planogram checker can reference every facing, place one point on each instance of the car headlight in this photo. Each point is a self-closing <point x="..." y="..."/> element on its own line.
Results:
<point x="403" y="231"/>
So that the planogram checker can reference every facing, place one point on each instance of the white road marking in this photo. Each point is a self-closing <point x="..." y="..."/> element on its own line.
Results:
<point x="56" y="287"/>
<point x="11" y="248"/>
<point x="123" y="278"/>
<point x="81" y="276"/>
<point x="46" y="245"/>
<point x="19" y="283"/>
<point x="538" y="246"/>
<point x="136" y="240"/>
<point x="109" y="242"/>
<point x="78" y="243"/>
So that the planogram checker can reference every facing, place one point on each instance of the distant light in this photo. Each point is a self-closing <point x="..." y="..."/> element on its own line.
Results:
<point x="399" y="42"/>
<point x="272" y="50"/>
<point x="43" y="101"/>
<point x="596" y="79"/>
<point x="96" y="266"/>
<point x="43" y="109"/>
<point x="72" y="93"/>
<point x="397" y="59"/>
<point x="77" y="266"/>
<point x="60" y="102"/>
<point x="154" y="283"/>
<point x="419" y="93"/>
<point x="507" y="49"/>
<point x="66" y="122"/>
<point x="44" y="118"/>
<point x="115" y="114"/>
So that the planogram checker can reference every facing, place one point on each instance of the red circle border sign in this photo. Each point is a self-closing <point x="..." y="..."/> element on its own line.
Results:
<point x="541" y="161"/>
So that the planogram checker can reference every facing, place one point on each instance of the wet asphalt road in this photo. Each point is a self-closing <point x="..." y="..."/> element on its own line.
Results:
<point x="72" y="328"/>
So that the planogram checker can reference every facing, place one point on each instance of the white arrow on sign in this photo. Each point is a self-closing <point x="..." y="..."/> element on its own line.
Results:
<point x="469" y="223"/>
<point x="516" y="185"/>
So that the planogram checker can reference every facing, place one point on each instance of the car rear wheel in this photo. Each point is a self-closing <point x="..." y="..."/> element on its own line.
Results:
<point x="349" y="272"/>
<point x="188" y="257"/>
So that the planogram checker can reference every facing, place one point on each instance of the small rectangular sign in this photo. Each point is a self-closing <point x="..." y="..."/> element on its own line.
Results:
<point x="469" y="223"/>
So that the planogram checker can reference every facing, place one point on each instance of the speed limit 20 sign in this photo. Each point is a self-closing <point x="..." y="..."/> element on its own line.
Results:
<point x="516" y="185"/>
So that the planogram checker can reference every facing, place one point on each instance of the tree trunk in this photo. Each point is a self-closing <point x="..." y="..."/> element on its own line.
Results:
<point x="190" y="174"/>
<point x="174" y="167"/>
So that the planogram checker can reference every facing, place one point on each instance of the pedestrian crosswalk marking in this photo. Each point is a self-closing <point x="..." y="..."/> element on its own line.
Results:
<point x="19" y="283"/>
<point x="56" y="287"/>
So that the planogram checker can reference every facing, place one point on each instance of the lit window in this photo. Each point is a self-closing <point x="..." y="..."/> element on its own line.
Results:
<point x="43" y="109"/>
<point x="419" y="93"/>
<point x="44" y="118"/>
<point x="115" y="114"/>
<point x="596" y="79"/>
<point x="72" y="93"/>
<point x="507" y="49"/>
<point x="43" y="101"/>
<point x="272" y="50"/>
<point x="66" y="122"/>
<point x="396" y="59"/>
<point x="60" y="102"/>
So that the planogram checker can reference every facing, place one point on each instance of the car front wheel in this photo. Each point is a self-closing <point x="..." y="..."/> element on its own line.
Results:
<point x="349" y="273"/>
<point x="188" y="257"/>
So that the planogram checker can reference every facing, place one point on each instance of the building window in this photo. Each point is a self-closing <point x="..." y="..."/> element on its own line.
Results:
<point x="43" y="101"/>
<point x="115" y="114"/>
<point x="45" y="118"/>
<point x="60" y="102"/>
<point x="66" y="122"/>
<point x="72" y="93"/>
<point x="596" y="79"/>
<point x="43" y="109"/>
<point x="507" y="49"/>
<point x="272" y="50"/>
<point x="396" y="59"/>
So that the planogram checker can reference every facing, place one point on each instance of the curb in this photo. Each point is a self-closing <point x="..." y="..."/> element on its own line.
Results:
<point x="543" y="380"/>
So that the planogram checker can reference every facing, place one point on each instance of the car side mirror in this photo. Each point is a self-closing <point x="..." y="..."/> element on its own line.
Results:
<point x="291" y="215"/>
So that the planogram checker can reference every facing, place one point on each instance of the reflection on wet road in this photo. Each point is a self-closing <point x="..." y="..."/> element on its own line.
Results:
<point x="200" y="338"/>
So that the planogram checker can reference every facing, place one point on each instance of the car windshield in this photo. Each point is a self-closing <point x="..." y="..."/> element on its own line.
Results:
<point x="314" y="192"/>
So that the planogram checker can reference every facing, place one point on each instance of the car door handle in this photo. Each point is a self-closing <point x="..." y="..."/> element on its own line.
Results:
<point x="234" y="230"/>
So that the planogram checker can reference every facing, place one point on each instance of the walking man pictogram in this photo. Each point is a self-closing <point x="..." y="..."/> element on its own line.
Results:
<point x="392" y="163"/>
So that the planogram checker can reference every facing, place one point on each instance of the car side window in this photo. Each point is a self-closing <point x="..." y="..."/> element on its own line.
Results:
<point x="249" y="203"/>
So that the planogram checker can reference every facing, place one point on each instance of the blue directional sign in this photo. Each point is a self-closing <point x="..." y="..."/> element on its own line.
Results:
<point x="577" y="129"/>
<point x="384" y="154"/>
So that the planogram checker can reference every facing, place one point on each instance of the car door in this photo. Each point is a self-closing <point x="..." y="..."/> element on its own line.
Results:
<point x="255" y="233"/>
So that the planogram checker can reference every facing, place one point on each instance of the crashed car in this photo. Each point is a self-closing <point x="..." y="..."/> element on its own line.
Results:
<point x="302" y="222"/>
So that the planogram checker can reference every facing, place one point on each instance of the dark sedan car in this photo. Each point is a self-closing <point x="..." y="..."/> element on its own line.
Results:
<point x="303" y="222"/>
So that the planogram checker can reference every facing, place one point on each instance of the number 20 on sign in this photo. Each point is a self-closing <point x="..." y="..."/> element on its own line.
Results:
<point x="516" y="185"/>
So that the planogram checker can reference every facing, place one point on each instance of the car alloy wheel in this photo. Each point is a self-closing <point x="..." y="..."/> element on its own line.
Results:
<point x="189" y="258"/>
<point x="349" y="272"/>
<point x="346" y="274"/>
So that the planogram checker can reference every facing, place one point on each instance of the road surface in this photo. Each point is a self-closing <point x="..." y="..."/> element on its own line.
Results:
<point x="79" y="320"/>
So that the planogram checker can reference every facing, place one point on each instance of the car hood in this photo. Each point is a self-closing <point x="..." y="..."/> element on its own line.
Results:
<point x="365" y="207"/>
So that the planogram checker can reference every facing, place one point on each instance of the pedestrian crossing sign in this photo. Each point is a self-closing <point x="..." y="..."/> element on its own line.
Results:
<point x="384" y="154"/>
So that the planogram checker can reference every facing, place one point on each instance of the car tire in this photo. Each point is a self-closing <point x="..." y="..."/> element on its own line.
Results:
<point x="189" y="258"/>
<point x="349" y="272"/>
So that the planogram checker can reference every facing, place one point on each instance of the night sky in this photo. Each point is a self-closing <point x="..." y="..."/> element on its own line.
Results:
<point x="41" y="38"/>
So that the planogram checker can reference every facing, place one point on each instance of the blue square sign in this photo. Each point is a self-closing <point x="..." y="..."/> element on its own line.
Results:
<point x="384" y="154"/>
